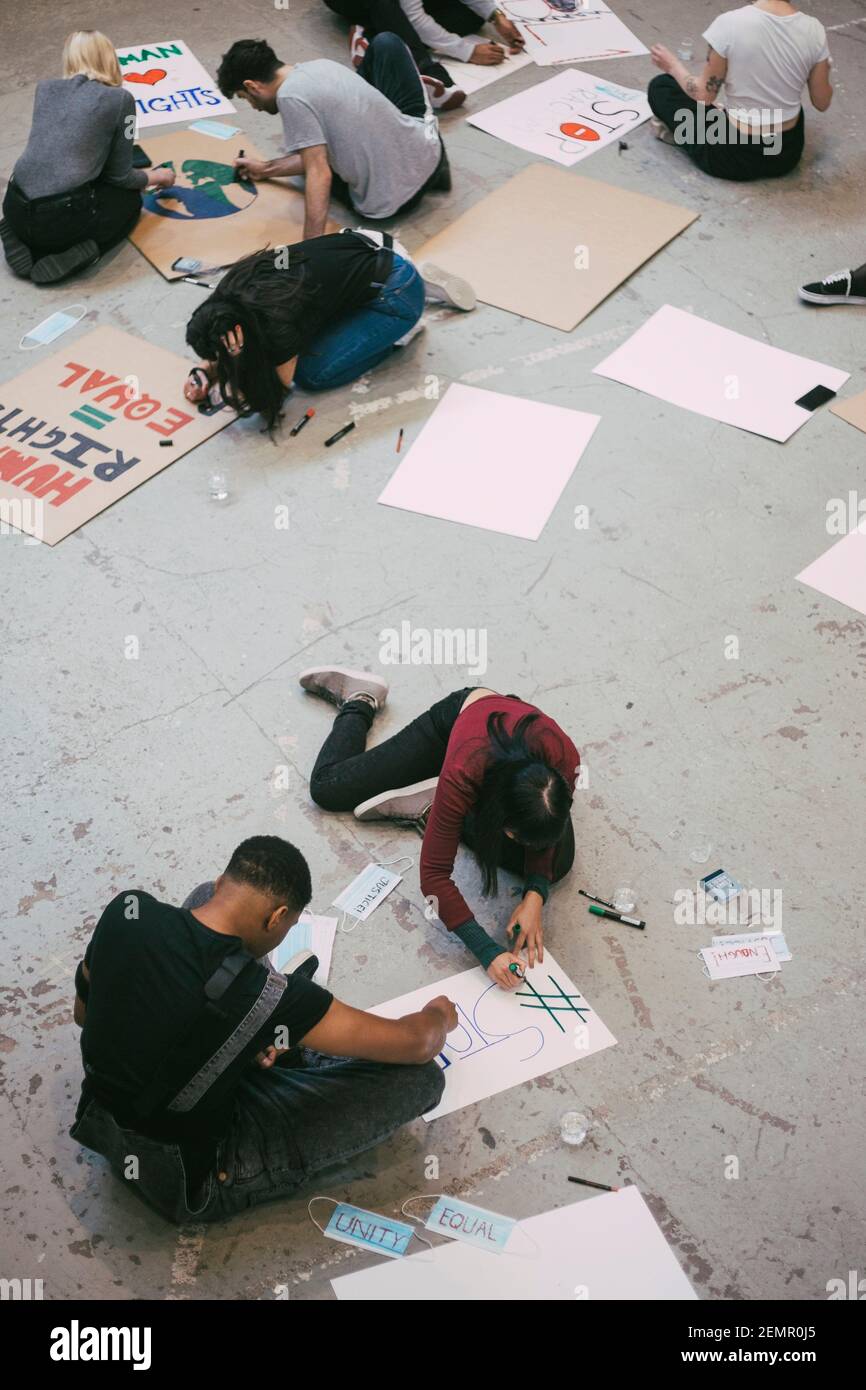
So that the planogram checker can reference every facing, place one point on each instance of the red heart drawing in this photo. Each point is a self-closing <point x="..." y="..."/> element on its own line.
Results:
<point x="151" y="77"/>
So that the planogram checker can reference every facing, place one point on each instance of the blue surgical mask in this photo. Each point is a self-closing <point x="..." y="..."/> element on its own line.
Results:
<point x="461" y="1221"/>
<point x="382" y="1234"/>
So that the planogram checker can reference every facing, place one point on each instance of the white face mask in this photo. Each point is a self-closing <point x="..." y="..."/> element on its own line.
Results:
<point x="52" y="327"/>
<point x="366" y="891"/>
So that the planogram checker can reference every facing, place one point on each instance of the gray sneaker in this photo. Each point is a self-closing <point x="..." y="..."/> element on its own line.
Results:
<point x="339" y="683"/>
<point x="407" y="804"/>
<point x="441" y="285"/>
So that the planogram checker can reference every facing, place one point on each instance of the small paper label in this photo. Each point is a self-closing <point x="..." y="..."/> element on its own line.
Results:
<point x="355" y="1226"/>
<point x="461" y="1221"/>
<point x="365" y="892"/>
<point x="724" y="962"/>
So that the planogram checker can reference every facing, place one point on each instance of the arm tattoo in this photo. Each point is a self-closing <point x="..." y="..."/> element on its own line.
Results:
<point x="712" y="85"/>
<point x="692" y="87"/>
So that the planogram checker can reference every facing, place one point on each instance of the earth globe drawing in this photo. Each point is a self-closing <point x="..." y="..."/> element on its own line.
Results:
<point x="202" y="189"/>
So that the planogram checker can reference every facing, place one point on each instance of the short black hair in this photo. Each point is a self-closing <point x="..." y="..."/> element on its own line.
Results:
<point x="248" y="60"/>
<point x="273" y="866"/>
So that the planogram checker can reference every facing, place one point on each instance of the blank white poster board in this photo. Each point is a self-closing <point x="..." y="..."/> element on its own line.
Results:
<point x="605" y="1248"/>
<point x="472" y="77"/>
<point x="503" y="1038"/>
<point x="566" y="118"/>
<point x="587" y="33"/>
<point x="840" y="572"/>
<point x="715" y="372"/>
<point x="489" y="460"/>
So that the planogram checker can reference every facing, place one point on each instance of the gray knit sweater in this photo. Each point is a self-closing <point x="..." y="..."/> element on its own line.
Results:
<point x="82" y="131"/>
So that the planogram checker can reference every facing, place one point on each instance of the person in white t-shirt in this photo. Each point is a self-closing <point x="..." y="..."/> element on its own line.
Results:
<point x="743" y="117"/>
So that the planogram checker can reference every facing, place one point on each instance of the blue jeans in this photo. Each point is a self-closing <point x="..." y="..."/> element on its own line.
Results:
<point x="363" y="339"/>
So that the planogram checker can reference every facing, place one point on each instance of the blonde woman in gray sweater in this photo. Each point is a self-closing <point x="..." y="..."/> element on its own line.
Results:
<point x="74" y="192"/>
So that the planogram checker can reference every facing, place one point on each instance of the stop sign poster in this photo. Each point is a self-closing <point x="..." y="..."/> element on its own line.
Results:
<point x="566" y="118"/>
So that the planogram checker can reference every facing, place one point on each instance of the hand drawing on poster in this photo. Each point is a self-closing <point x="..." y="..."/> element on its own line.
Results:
<point x="571" y="31"/>
<point x="168" y="83"/>
<point x="566" y="118"/>
<point x="503" y="1038"/>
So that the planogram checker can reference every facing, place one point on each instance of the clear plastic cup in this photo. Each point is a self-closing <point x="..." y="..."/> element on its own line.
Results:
<point x="686" y="50"/>
<point x="624" y="899"/>
<point x="218" y="486"/>
<point x="573" y="1127"/>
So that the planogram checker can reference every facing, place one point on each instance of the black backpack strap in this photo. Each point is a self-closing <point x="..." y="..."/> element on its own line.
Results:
<point x="158" y="1093"/>
<point x="384" y="262"/>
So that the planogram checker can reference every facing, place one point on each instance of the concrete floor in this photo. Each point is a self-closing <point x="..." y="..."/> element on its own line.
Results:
<point x="146" y="773"/>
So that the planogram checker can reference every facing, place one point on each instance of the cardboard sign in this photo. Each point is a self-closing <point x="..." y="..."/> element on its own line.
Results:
<point x="574" y="240"/>
<point x="84" y="426"/>
<point x="567" y="118"/>
<point x="169" y="83"/>
<point x="585" y="32"/>
<point x="209" y="213"/>
<point x="504" y="1038"/>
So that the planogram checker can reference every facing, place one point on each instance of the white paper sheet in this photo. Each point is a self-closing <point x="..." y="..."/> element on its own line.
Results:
<point x="472" y="77"/>
<point x="728" y="962"/>
<point x="587" y="32"/>
<point x="504" y="1038"/>
<point x="713" y="371"/>
<point x="490" y="460"/>
<point x="840" y="572"/>
<point x="566" y="118"/>
<point x="602" y="1248"/>
<point x="168" y="83"/>
<point x="310" y="933"/>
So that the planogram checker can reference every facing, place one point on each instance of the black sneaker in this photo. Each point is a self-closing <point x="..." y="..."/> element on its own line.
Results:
<point x="835" y="289"/>
<point x="18" y="256"/>
<point x="49" y="269"/>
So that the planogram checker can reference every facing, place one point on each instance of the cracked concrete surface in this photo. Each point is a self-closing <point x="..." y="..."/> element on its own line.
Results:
<point x="123" y="773"/>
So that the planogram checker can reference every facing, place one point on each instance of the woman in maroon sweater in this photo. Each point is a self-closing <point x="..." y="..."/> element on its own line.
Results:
<point x="479" y="767"/>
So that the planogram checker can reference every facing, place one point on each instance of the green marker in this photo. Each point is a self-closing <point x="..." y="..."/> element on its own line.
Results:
<point x="617" y="916"/>
<point x="515" y="969"/>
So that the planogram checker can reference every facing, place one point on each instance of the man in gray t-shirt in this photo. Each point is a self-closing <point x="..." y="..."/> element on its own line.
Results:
<point x="369" y="137"/>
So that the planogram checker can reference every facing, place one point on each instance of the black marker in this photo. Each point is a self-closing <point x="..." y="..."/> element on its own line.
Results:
<point x="339" y="434"/>
<point x="202" y="284"/>
<point x="594" y="899"/>
<point x="303" y="421"/>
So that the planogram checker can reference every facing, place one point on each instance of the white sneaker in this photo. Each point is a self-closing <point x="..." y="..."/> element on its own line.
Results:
<point x="404" y="804"/>
<point x="661" y="131"/>
<point x="338" y="684"/>
<point x="417" y="328"/>
<point x="358" y="45"/>
<point x="442" y="285"/>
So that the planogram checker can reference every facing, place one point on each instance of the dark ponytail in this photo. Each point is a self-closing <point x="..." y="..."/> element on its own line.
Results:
<point x="265" y="301"/>
<point x="519" y="792"/>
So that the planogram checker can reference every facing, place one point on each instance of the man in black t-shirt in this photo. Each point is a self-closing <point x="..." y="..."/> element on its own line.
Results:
<point x="187" y="1033"/>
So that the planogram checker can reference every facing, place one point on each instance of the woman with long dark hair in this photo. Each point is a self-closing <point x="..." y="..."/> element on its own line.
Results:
<point x="320" y="314"/>
<point x="483" y="768"/>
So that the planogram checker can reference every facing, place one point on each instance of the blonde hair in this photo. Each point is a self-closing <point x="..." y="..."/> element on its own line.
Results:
<point x="91" y="53"/>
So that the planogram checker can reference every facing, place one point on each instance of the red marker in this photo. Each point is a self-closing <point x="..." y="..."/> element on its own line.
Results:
<point x="303" y="420"/>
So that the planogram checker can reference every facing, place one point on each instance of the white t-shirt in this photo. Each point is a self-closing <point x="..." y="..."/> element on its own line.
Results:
<point x="769" y="58"/>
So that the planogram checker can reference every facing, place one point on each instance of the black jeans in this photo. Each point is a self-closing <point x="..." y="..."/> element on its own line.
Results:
<point x="347" y="772"/>
<point x="727" y="157"/>
<point x="97" y="212"/>
<point x="387" y="17"/>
